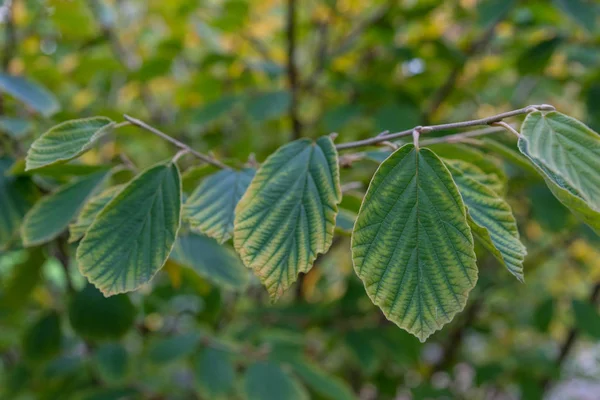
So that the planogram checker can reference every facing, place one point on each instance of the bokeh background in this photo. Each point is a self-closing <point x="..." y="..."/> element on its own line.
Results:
<point x="239" y="78"/>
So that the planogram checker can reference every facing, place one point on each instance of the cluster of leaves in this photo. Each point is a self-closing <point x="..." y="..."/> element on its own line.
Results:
<point x="412" y="243"/>
<point x="212" y="74"/>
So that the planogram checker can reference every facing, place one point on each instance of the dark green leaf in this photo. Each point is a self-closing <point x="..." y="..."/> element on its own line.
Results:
<point x="173" y="348"/>
<point x="412" y="246"/>
<point x="43" y="339"/>
<point x="268" y="381"/>
<point x="215" y="373"/>
<point x="30" y="93"/>
<point x="587" y="318"/>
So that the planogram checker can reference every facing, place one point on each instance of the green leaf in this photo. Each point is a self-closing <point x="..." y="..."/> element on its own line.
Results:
<point x="213" y="111"/>
<point x="17" y="195"/>
<point x="582" y="11"/>
<point x="24" y="278"/>
<point x="217" y="263"/>
<point x="173" y="348"/>
<point x="325" y="385"/>
<point x="112" y="362"/>
<point x="211" y="207"/>
<point x="287" y="215"/>
<point x="490" y="217"/>
<point x="51" y="215"/>
<point x="344" y="221"/>
<point x="94" y="316"/>
<point x="267" y="381"/>
<point x="510" y="155"/>
<point x="490" y="181"/>
<point x="411" y="245"/>
<point x="32" y="94"/>
<point x="15" y="127"/>
<point x="131" y="238"/>
<point x="66" y="141"/>
<point x="43" y="339"/>
<point x="488" y="164"/>
<point x="89" y="212"/>
<point x="267" y="106"/>
<point x="587" y="318"/>
<point x="567" y="154"/>
<point x="490" y="11"/>
<point x="215" y="373"/>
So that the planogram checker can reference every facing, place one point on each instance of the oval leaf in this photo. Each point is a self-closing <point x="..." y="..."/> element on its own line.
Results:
<point x="131" y="238"/>
<point x="567" y="154"/>
<point x="30" y="93"/>
<point x="411" y="245"/>
<point x="51" y="215"/>
<point x="66" y="141"/>
<point x="17" y="195"/>
<point x="328" y="386"/>
<point x="267" y="381"/>
<point x="287" y="215"/>
<point x="217" y="263"/>
<point x="490" y="217"/>
<point x="211" y="207"/>
<point x="93" y="316"/>
<point x="215" y="373"/>
<point x="90" y="211"/>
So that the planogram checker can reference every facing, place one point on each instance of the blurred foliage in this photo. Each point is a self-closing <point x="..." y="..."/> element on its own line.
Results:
<point x="213" y="74"/>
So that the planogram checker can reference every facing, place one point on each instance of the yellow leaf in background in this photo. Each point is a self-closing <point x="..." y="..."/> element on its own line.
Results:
<point x="173" y="270"/>
<point x="82" y="99"/>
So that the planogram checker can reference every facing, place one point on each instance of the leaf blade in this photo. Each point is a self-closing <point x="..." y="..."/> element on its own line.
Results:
<point x="211" y="207"/>
<point x="66" y="141"/>
<point x="427" y="198"/>
<point x="294" y="195"/>
<point x="35" y="96"/>
<point x="132" y="237"/>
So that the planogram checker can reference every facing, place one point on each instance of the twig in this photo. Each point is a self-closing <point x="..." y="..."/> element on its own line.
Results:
<point x="572" y="336"/>
<point x="207" y="159"/>
<point x="460" y="137"/>
<point x="292" y="72"/>
<point x="10" y="43"/>
<point x="455" y="125"/>
<point x="446" y="89"/>
<point x="507" y="127"/>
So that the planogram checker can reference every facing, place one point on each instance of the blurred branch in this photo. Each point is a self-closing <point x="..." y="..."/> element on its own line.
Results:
<point x="474" y="49"/>
<point x="326" y="53"/>
<point x="10" y="43"/>
<point x="129" y="61"/>
<point x="572" y="336"/>
<point x="292" y="71"/>
<point x="207" y="159"/>
<point x="454" y="125"/>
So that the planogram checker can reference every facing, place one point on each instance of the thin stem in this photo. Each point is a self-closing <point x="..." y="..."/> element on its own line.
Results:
<point x="121" y="124"/>
<point x="459" y="137"/>
<point x="207" y="159"/>
<point x="507" y="127"/>
<point x="292" y="72"/>
<point x="442" y="127"/>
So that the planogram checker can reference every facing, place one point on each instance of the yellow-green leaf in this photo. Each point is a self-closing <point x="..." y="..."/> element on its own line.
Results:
<point x="66" y="141"/>
<point x="412" y="246"/>
<point x="567" y="154"/>
<point x="287" y="215"/>
<point x="51" y="215"/>
<point x="490" y="217"/>
<point x="90" y="211"/>
<point x="131" y="238"/>
<point x="211" y="207"/>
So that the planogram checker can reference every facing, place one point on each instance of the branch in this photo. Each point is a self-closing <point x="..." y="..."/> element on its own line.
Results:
<point x="433" y="128"/>
<point x="207" y="159"/>
<point x="446" y="89"/>
<point x="292" y="72"/>
<point x="571" y="338"/>
<point x="10" y="43"/>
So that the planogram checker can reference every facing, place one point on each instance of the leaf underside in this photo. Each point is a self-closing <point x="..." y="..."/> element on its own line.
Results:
<point x="490" y="217"/>
<point x="131" y="238"/>
<point x="287" y="215"/>
<point x="51" y="215"/>
<point x="567" y="154"/>
<point x="211" y="207"/>
<point x="411" y="245"/>
<point x="66" y="141"/>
